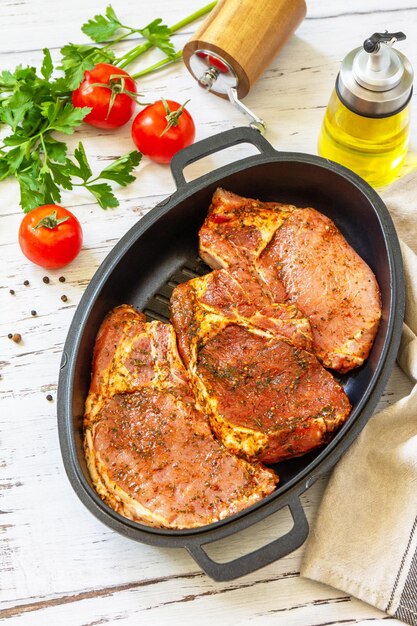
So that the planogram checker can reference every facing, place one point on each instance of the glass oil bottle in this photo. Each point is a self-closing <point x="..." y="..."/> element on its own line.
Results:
<point x="366" y="125"/>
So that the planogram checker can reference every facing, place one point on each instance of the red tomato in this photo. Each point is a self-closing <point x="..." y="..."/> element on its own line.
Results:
<point x="161" y="129"/>
<point x="50" y="236"/>
<point x="111" y="107"/>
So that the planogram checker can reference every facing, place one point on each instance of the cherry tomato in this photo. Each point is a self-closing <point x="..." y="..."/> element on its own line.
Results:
<point x="111" y="106"/>
<point x="50" y="236"/>
<point x="161" y="129"/>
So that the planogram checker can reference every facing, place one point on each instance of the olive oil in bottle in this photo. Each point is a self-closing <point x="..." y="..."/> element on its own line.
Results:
<point x="366" y="125"/>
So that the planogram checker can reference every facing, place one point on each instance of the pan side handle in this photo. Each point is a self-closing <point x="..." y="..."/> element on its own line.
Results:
<point x="253" y="561"/>
<point x="207" y="146"/>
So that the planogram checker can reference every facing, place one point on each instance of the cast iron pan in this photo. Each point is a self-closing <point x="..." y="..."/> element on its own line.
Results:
<point x="160" y="251"/>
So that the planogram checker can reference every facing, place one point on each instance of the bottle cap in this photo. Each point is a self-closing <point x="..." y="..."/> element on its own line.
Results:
<point x="376" y="80"/>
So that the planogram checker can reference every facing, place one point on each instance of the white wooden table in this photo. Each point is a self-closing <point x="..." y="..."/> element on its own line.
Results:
<point x="58" y="564"/>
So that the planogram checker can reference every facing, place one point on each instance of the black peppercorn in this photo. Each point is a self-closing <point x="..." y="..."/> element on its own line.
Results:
<point x="33" y="312"/>
<point x="10" y="335"/>
<point x="64" y="298"/>
<point x="25" y="282"/>
<point x="61" y="279"/>
<point x="11" y="291"/>
<point x="49" y="397"/>
<point x="45" y="280"/>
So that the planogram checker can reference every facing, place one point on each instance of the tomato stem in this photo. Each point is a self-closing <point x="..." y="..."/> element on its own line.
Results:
<point x="51" y="221"/>
<point x="171" y="117"/>
<point x="117" y="85"/>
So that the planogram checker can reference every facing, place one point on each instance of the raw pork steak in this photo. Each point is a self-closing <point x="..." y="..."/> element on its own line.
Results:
<point x="151" y="454"/>
<point x="268" y="398"/>
<point x="302" y="258"/>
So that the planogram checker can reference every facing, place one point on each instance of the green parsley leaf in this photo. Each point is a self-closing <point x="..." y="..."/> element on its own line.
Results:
<point x="14" y="108"/>
<point x="111" y="15"/>
<point x="75" y="75"/>
<point x="4" y="169"/>
<point x="29" y="198"/>
<point x="7" y="80"/>
<point x="31" y="188"/>
<point x="59" y="88"/>
<point x="57" y="150"/>
<point x="50" y="189"/>
<point x="61" y="175"/>
<point x="15" y="140"/>
<point x="50" y="110"/>
<point x="120" y="170"/>
<point x="14" y="159"/>
<point x="72" y="55"/>
<point x="32" y="122"/>
<point x="84" y="169"/>
<point x="27" y="179"/>
<point x="26" y="75"/>
<point x="77" y="59"/>
<point x="69" y="118"/>
<point x="104" y="195"/>
<point x="158" y="34"/>
<point x="47" y="65"/>
<point x="102" y="27"/>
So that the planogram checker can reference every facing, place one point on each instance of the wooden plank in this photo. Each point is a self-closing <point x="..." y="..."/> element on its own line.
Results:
<point x="171" y="599"/>
<point x="59" y="564"/>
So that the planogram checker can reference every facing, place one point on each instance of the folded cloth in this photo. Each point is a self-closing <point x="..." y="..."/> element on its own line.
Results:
<point x="364" y="540"/>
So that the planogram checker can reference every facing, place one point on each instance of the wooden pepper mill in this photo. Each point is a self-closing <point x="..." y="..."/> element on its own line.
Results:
<point x="237" y="42"/>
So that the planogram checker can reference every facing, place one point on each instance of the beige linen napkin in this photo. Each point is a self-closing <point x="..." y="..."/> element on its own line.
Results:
<point x="364" y="540"/>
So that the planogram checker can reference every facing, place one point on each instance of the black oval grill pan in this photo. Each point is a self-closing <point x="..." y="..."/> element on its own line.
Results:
<point x="161" y="251"/>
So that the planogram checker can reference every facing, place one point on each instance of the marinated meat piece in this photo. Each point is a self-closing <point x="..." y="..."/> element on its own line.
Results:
<point x="267" y="398"/>
<point x="237" y="230"/>
<point x="150" y="452"/>
<point x="209" y="302"/>
<point x="330" y="283"/>
<point x="302" y="258"/>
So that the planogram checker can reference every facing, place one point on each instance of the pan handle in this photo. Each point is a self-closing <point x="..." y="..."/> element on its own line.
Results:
<point x="249" y="563"/>
<point x="216" y="143"/>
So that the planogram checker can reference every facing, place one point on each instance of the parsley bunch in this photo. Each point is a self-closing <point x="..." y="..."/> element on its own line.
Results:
<point x="37" y="108"/>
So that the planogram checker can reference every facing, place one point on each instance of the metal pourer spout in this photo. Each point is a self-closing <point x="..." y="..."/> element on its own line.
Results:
<point x="373" y="43"/>
<point x="379" y="58"/>
<point x="376" y="79"/>
<point x="378" y="66"/>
